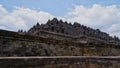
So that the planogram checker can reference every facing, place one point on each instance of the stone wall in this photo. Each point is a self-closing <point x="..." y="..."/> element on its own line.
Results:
<point x="80" y="38"/>
<point x="15" y="44"/>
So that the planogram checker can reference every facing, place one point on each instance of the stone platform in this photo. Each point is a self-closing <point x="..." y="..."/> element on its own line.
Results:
<point x="61" y="62"/>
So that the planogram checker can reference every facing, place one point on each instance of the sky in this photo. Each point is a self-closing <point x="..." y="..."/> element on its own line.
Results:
<point x="97" y="14"/>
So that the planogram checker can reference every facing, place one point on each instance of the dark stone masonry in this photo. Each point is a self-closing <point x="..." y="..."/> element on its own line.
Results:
<point x="80" y="62"/>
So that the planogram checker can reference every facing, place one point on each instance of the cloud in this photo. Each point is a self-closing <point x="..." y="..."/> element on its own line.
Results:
<point x="21" y="18"/>
<point x="106" y="18"/>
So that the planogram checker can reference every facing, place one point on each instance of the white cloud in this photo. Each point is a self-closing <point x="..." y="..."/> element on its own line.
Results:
<point x="106" y="18"/>
<point x="21" y="18"/>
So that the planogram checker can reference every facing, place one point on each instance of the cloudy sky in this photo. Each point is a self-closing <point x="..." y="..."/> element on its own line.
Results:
<point x="98" y="14"/>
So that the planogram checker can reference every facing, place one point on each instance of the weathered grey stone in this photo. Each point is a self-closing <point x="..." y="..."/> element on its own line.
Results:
<point x="58" y="26"/>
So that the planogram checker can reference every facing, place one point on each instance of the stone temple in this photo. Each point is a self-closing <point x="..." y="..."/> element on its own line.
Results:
<point x="59" y="44"/>
<point x="77" y="30"/>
